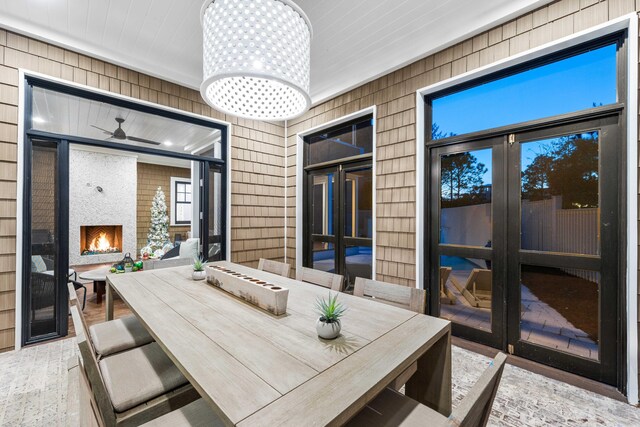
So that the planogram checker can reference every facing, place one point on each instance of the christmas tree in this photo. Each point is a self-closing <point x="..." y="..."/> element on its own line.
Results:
<point x="159" y="229"/>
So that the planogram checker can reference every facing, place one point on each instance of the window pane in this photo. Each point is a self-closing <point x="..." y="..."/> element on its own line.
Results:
<point x="42" y="301"/>
<point x="358" y="200"/>
<point x="324" y="257"/>
<point x="180" y="187"/>
<point x="180" y="197"/>
<point x="465" y="188"/>
<point x="572" y="84"/>
<point x="322" y="211"/>
<point x="560" y="197"/>
<point x="559" y="309"/>
<point x="465" y="291"/>
<point x="183" y="212"/>
<point x="358" y="262"/>
<point x="337" y="143"/>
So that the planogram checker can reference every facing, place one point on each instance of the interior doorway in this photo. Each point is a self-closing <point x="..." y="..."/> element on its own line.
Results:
<point x="90" y="191"/>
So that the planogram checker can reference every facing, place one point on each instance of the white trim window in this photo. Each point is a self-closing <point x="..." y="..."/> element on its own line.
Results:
<point x="181" y="201"/>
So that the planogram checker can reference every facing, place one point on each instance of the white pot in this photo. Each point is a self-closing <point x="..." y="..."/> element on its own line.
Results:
<point x="199" y="275"/>
<point x="328" y="331"/>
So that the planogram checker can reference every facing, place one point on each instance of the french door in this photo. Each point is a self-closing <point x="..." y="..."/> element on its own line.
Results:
<point x="525" y="243"/>
<point x="339" y="220"/>
<point x="45" y="240"/>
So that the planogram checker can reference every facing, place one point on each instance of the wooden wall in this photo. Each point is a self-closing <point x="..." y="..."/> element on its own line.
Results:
<point x="394" y="96"/>
<point x="257" y="155"/>
<point x="150" y="177"/>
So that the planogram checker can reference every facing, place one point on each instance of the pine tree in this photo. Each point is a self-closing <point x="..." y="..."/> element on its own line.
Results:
<point x="159" y="229"/>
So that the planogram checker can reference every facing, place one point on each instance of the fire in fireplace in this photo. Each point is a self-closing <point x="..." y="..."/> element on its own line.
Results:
<point x="100" y="239"/>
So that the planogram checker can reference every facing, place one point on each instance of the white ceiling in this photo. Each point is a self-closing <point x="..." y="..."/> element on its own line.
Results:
<point x="66" y="114"/>
<point x="354" y="41"/>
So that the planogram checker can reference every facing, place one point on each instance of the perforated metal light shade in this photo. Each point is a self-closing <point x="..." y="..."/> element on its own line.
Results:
<point x="256" y="58"/>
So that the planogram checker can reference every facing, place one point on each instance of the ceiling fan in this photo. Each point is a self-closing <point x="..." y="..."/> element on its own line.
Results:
<point x="121" y="135"/>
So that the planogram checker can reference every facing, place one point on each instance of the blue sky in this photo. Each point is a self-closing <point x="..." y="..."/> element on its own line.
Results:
<point x="568" y="85"/>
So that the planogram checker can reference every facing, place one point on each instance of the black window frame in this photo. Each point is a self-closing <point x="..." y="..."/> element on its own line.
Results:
<point x="175" y="202"/>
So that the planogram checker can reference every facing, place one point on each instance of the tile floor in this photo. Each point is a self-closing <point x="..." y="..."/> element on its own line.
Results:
<point x="33" y="390"/>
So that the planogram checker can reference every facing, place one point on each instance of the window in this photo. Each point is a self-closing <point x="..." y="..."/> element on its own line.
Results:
<point x="180" y="201"/>
<point x="348" y="140"/>
<point x="581" y="81"/>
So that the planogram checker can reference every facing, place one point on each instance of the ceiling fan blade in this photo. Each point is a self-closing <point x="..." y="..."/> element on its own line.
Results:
<point x="103" y="130"/>
<point x="146" y="141"/>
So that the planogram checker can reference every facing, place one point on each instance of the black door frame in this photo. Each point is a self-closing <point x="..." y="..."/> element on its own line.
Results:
<point x="610" y="121"/>
<point x="338" y="239"/>
<point x="63" y="179"/>
<point x="496" y="337"/>
<point x="607" y="263"/>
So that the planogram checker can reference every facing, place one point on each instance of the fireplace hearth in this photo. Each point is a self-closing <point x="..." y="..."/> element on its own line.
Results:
<point x="100" y="239"/>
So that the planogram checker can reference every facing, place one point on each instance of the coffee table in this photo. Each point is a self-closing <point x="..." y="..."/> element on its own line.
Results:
<point x="99" y="278"/>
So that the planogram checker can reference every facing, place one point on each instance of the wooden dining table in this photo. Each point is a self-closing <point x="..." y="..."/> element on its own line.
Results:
<point x="257" y="369"/>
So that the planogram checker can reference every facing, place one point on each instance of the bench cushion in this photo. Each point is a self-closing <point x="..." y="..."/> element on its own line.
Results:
<point x="119" y="335"/>
<point x="136" y="376"/>
<point x="195" y="414"/>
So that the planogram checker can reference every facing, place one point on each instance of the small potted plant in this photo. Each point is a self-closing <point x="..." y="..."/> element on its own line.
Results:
<point x="198" y="269"/>
<point x="330" y="311"/>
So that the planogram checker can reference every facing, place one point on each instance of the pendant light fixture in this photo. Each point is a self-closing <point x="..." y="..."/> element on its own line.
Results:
<point x="256" y="58"/>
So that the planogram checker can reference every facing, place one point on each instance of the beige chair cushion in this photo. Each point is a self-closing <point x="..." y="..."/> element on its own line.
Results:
<point x="119" y="335"/>
<point x="136" y="376"/>
<point x="195" y="414"/>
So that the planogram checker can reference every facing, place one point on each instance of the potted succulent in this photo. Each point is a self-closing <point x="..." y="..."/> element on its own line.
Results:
<point x="330" y="311"/>
<point x="198" y="269"/>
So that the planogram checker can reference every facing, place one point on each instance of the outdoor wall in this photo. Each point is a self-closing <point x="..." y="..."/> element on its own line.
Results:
<point x="150" y="177"/>
<point x="395" y="97"/>
<point x="257" y="155"/>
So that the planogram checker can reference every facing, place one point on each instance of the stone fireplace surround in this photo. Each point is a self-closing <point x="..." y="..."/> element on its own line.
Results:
<point x="116" y="204"/>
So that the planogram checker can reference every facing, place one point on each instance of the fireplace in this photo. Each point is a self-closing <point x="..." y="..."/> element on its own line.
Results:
<point x="100" y="239"/>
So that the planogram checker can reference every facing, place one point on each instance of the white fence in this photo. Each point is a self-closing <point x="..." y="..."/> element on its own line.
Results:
<point x="545" y="227"/>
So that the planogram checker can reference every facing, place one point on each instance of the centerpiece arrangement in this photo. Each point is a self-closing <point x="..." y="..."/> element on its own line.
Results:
<point x="198" y="269"/>
<point x="268" y="296"/>
<point x="330" y="310"/>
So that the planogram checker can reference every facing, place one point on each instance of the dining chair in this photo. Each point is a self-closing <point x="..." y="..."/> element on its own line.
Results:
<point x="115" y="335"/>
<point x="275" y="267"/>
<point x="131" y="387"/>
<point x="332" y="281"/>
<point x="405" y="297"/>
<point x="400" y="296"/>
<point x="391" y="408"/>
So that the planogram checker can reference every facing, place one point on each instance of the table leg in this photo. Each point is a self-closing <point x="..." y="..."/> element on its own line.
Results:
<point x="109" y="303"/>
<point x="99" y="289"/>
<point x="431" y="384"/>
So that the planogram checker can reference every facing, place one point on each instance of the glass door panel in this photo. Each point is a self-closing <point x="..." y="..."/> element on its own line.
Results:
<point x="322" y="201"/>
<point x="560" y="203"/>
<point x="46" y="274"/>
<point x="339" y="220"/>
<point x="465" y="198"/>
<point x="357" y="218"/>
<point x="212" y="211"/>
<point x="563" y="249"/>
<point x="466" y="229"/>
